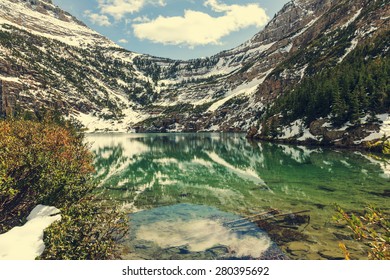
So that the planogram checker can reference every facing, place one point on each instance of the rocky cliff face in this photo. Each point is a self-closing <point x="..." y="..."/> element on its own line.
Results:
<point x="50" y="58"/>
<point x="344" y="34"/>
<point x="9" y="95"/>
<point x="222" y="88"/>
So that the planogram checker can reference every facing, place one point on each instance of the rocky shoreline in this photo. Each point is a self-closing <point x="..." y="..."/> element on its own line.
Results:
<point x="367" y="136"/>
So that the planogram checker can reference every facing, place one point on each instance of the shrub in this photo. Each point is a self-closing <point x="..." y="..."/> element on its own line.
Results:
<point x="40" y="163"/>
<point x="48" y="163"/>
<point x="372" y="229"/>
<point x="87" y="231"/>
<point x="380" y="146"/>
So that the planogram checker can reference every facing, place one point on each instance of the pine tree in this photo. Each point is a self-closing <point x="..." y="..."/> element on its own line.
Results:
<point x="339" y="109"/>
<point x="354" y="107"/>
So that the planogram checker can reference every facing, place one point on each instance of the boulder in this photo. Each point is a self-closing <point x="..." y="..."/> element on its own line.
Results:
<point x="252" y="132"/>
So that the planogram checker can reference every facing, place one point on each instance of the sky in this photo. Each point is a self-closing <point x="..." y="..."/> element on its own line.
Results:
<point x="182" y="29"/>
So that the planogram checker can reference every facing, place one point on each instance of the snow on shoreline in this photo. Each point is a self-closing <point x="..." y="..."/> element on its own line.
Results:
<point x="384" y="129"/>
<point x="26" y="242"/>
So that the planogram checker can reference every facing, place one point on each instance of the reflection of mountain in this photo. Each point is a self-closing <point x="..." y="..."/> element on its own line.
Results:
<point x="247" y="174"/>
<point x="228" y="172"/>
<point x="115" y="153"/>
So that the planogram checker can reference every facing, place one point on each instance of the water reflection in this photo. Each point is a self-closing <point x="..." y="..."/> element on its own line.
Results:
<point x="220" y="168"/>
<point x="227" y="172"/>
<point x="197" y="232"/>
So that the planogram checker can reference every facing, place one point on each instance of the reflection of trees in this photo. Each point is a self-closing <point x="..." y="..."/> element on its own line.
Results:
<point x="166" y="170"/>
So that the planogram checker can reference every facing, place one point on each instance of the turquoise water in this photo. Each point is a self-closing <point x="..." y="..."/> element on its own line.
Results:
<point x="228" y="173"/>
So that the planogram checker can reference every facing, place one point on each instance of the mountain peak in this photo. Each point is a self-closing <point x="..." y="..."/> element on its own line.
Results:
<point x="42" y="18"/>
<point x="34" y="2"/>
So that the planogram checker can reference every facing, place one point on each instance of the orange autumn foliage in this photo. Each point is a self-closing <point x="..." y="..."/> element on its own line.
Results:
<point x="40" y="163"/>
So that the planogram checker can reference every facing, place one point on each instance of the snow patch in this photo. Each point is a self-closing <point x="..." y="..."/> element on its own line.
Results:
<point x="10" y="79"/>
<point x="244" y="89"/>
<point x="259" y="49"/>
<point x="178" y="128"/>
<point x="307" y="135"/>
<point x="294" y="129"/>
<point x="287" y="48"/>
<point x="302" y="71"/>
<point x="372" y="29"/>
<point x="26" y="242"/>
<point x="307" y="26"/>
<point x="353" y="45"/>
<point x="352" y="19"/>
<point x="384" y="129"/>
<point x="214" y="127"/>
<point x="94" y="123"/>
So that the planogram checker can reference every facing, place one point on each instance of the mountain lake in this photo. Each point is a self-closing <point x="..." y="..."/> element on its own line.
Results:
<point x="220" y="196"/>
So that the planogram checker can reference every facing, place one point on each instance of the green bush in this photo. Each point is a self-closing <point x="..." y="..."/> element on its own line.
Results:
<point x="87" y="231"/>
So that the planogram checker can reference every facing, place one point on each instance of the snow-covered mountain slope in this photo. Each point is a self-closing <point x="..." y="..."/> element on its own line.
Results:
<point x="227" y="79"/>
<point x="50" y="59"/>
<point x="45" y="19"/>
<point x="248" y="62"/>
<point x="232" y="90"/>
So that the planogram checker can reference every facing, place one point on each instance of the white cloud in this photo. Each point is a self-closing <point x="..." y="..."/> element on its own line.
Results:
<point x="161" y="3"/>
<point x="123" y="41"/>
<point x="119" y="8"/>
<point x="141" y="19"/>
<point x="215" y="6"/>
<point x="101" y="20"/>
<point x="197" y="28"/>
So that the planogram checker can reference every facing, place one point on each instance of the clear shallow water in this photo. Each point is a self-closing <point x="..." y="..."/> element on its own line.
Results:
<point x="228" y="173"/>
<point x="188" y="231"/>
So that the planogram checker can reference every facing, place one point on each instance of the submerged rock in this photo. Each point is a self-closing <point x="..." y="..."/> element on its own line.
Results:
<point x="296" y="248"/>
<point x="331" y="255"/>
